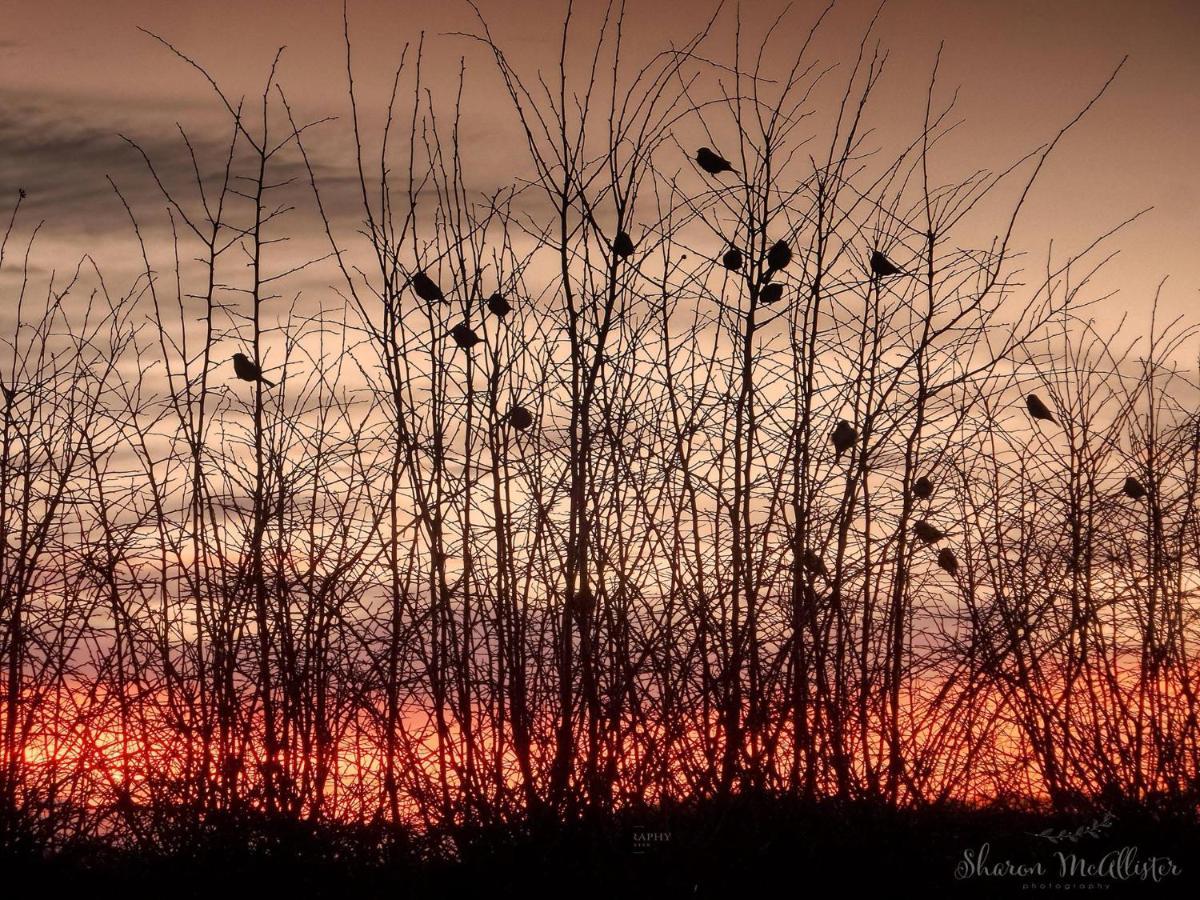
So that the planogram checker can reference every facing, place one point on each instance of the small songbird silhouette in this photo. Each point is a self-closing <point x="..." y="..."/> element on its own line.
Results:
<point x="732" y="260"/>
<point x="1038" y="409"/>
<point x="930" y="534"/>
<point x="498" y="306"/>
<point x="582" y="602"/>
<point x="882" y="266"/>
<point x="814" y="564"/>
<point x="947" y="560"/>
<point x="519" y="418"/>
<point x="779" y="255"/>
<point x="712" y="162"/>
<point x="1133" y="489"/>
<point x="770" y="293"/>
<point x="622" y="245"/>
<point x="922" y="488"/>
<point x="426" y="288"/>
<point x="843" y="437"/>
<point x="249" y="371"/>
<point x="464" y="336"/>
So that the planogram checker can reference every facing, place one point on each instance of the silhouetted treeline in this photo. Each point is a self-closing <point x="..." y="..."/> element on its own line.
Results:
<point x="660" y="473"/>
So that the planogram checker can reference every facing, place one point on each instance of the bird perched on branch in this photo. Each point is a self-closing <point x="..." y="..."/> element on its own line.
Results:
<point x="581" y="603"/>
<point x="426" y="288"/>
<point x="712" y="162"/>
<point x="813" y="563"/>
<point x="884" y="267"/>
<point x="519" y="418"/>
<point x="622" y="245"/>
<point x="247" y="370"/>
<point x="779" y="256"/>
<point x="732" y="260"/>
<point x="464" y="336"/>
<point x="947" y="560"/>
<point x="1038" y="409"/>
<point x="843" y="437"/>
<point x="930" y="534"/>
<point x="498" y="306"/>
<point x="1133" y="489"/>
<point x="770" y="293"/>
<point x="922" y="488"/>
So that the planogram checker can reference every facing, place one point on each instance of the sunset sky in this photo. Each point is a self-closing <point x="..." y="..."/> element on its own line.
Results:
<point x="74" y="74"/>
<point x="524" y="465"/>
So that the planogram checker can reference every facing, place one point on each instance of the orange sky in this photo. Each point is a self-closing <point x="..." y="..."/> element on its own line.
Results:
<point x="73" y="74"/>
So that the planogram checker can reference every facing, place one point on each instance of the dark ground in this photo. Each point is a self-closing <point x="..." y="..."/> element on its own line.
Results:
<point x="714" y="849"/>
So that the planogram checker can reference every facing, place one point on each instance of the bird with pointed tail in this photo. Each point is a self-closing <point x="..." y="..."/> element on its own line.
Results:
<point x="426" y="288"/>
<point x="712" y="162"/>
<point x="247" y="370"/>
<point x="812" y="562"/>
<point x="1039" y="410"/>
<point x="464" y="336"/>
<point x="947" y="561"/>
<point x="884" y="267"/>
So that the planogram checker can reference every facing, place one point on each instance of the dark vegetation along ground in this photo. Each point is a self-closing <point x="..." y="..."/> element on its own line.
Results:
<point x="654" y="517"/>
<point x="699" y="850"/>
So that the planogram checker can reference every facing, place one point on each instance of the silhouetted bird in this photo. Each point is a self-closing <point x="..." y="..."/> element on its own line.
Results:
<point x="947" y="560"/>
<point x="732" y="260"/>
<point x="21" y="193"/>
<point x="930" y="534"/>
<point x="464" y="336"/>
<point x="814" y="564"/>
<point x="883" y="267"/>
<point x="843" y="437"/>
<point x="426" y="289"/>
<point x="1134" y="488"/>
<point x="922" y="488"/>
<point x="779" y="255"/>
<point x="711" y="162"/>
<point x="623" y="245"/>
<point x="770" y="293"/>
<point x="498" y="306"/>
<point x="1038" y="409"/>
<point x="520" y="418"/>
<point x="581" y="603"/>
<point x="124" y="799"/>
<point x="247" y="370"/>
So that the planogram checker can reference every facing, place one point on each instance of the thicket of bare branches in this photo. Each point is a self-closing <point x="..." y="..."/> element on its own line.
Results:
<point x="367" y="594"/>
